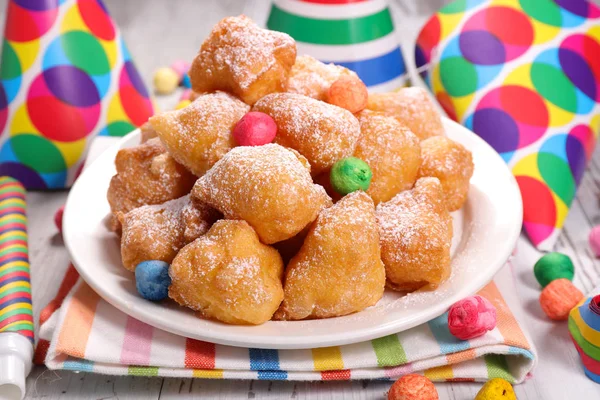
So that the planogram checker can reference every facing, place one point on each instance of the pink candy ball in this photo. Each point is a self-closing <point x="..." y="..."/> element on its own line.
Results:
<point x="471" y="317"/>
<point x="185" y="95"/>
<point x="181" y="67"/>
<point x="594" y="239"/>
<point x="58" y="218"/>
<point x="255" y="129"/>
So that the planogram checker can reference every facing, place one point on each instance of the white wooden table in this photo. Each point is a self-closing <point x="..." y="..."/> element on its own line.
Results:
<point x="158" y="32"/>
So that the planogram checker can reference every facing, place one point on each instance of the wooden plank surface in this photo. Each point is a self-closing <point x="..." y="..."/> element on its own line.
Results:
<point x="158" y="32"/>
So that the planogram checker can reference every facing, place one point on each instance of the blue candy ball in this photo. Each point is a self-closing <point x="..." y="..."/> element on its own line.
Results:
<point x="152" y="280"/>
<point x="186" y="82"/>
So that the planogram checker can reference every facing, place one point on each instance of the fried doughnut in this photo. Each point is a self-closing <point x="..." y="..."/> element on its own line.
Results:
<point x="452" y="164"/>
<point x="310" y="77"/>
<point x="321" y="132"/>
<point x="338" y="270"/>
<point x="147" y="132"/>
<point x="146" y="174"/>
<point x="416" y="234"/>
<point x="269" y="186"/>
<point x="412" y="107"/>
<point x="228" y="275"/>
<point x="392" y="152"/>
<point x="240" y="57"/>
<point x="198" y="135"/>
<point x="157" y="232"/>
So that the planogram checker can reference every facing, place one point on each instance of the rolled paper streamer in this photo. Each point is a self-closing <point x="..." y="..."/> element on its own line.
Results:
<point x="584" y="327"/>
<point x="357" y="35"/>
<point x="66" y="77"/>
<point x="16" y="316"/>
<point x="525" y="76"/>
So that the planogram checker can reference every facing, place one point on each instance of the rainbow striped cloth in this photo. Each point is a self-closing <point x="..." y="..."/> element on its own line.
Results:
<point x="82" y="332"/>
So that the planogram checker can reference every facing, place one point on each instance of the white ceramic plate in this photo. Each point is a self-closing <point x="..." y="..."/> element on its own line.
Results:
<point x="485" y="231"/>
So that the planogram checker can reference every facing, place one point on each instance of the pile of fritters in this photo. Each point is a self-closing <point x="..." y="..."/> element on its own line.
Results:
<point x="257" y="233"/>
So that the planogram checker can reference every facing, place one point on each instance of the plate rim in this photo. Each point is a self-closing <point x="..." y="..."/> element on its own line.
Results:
<point x="504" y="251"/>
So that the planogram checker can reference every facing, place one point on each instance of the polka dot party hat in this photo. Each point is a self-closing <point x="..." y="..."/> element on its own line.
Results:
<point x="525" y="76"/>
<point x="357" y="34"/>
<point x="66" y="77"/>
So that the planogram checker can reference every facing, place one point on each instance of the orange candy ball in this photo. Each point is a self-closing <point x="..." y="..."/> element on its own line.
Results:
<point x="558" y="298"/>
<point x="413" y="387"/>
<point x="348" y="92"/>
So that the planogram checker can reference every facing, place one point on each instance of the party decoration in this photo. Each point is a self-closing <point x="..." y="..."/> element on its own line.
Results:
<point x="152" y="280"/>
<point x="471" y="317"/>
<point x="66" y="77"/>
<point x="358" y="35"/>
<point x="165" y="80"/>
<point x="58" y="218"/>
<point x="559" y="298"/>
<point x="413" y="387"/>
<point x="348" y="92"/>
<point x="350" y="174"/>
<point x="584" y="327"/>
<point x="525" y="76"/>
<point x="496" y="389"/>
<point x="594" y="240"/>
<point x="553" y="266"/>
<point x="254" y="129"/>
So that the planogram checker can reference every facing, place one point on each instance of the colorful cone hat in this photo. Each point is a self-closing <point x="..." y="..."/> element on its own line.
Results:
<point x="358" y="34"/>
<point x="525" y="76"/>
<point x="66" y="76"/>
<point x="584" y="327"/>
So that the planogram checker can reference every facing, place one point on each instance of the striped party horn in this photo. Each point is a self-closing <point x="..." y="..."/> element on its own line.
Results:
<point x="357" y="34"/>
<point x="15" y="289"/>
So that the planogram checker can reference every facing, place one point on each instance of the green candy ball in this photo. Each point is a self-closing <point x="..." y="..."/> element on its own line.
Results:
<point x="553" y="266"/>
<point x="350" y="174"/>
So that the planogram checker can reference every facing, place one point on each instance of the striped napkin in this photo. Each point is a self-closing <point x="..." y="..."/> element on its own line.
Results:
<point x="82" y="332"/>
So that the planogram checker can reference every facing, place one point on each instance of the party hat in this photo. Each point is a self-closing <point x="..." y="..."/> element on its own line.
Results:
<point x="66" y="76"/>
<point x="584" y="328"/>
<point x="525" y="76"/>
<point x="358" y="35"/>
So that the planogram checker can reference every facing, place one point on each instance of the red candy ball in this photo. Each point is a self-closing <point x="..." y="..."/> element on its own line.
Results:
<point x="413" y="387"/>
<point x="58" y="218"/>
<point x="255" y="129"/>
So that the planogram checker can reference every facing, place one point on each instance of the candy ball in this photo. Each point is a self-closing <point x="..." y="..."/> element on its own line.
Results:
<point x="165" y="80"/>
<point x="553" y="266"/>
<point x="152" y="280"/>
<point x="186" y="81"/>
<point x="496" y="389"/>
<point x="182" y="104"/>
<point x="413" y="387"/>
<point x="181" y="67"/>
<point x="594" y="239"/>
<point x="471" y="317"/>
<point x="58" y="218"/>
<point x="255" y="129"/>
<point x="350" y="174"/>
<point x="348" y="92"/>
<point x="558" y="298"/>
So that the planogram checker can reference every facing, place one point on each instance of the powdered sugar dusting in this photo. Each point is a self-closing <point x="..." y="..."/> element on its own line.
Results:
<point x="310" y="77"/>
<point x="321" y="132"/>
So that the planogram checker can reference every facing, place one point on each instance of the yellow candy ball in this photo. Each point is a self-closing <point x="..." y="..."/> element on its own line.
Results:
<point x="165" y="80"/>
<point x="496" y="389"/>
<point x="182" y="104"/>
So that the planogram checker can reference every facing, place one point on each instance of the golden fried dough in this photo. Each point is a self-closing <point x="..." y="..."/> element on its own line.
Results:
<point x="412" y="107"/>
<point x="269" y="186"/>
<point x="146" y="174"/>
<point x="228" y="275"/>
<point x="338" y="270"/>
<point x="416" y="234"/>
<point x="147" y="132"/>
<point x="310" y="77"/>
<point x="321" y="132"/>
<point x="241" y="58"/>
<point x="452" y="164"/>
<point x="157" y="232"/>
<point x="392" y="152"/>
<point x="198" y="135"/>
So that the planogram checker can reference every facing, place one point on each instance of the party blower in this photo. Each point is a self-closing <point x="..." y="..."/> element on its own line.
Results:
<point x="16" y="316"/>
<point x="66" y="77"/>
<point x="525" y="76"/>
<point x="358" y="35"/>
